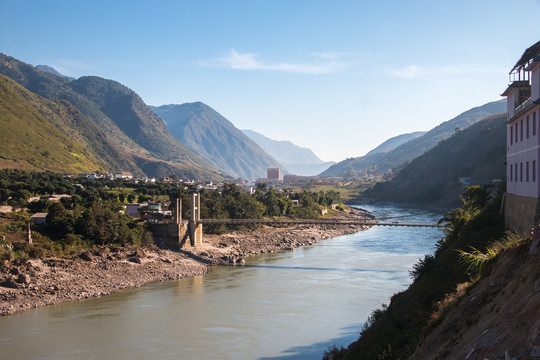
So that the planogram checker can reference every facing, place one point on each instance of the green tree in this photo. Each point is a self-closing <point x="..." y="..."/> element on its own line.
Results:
<point x="38" y="206"/>
<point x="56" y="210"/>
<point x="131" y="198"/>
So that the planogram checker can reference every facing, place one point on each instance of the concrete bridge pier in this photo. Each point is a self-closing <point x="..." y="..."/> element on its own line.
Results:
<point x="194" y="225"/>
<point x="181" y="233"/>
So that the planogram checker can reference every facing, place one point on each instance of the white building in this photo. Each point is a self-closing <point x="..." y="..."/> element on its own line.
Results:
<point x="523" y="142"/>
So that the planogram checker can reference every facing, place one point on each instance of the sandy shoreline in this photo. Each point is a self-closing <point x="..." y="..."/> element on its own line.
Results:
<point x="53" y="281"/>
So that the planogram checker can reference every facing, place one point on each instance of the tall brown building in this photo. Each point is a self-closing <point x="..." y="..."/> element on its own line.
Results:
<point x="273" y="173"/>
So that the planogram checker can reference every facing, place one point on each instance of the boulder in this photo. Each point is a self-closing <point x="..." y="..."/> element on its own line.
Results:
<point x="135" y="259"/>
<point x="86" y="256"/>
<point x="138" y="253"/>
<point x="24" y="279"/>
<point x="11" y="283"/>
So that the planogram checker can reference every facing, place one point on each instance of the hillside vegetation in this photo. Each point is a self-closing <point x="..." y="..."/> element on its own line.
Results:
<point x="477" y="152"/>
<point x="396" y="141"/>
<point x="394" y="331"/>
<point x="476" y="297"/>
<point x="381" y="162"/>
<point x="30" y="140"/>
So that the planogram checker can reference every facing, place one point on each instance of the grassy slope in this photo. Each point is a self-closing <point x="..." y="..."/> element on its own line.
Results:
<point x="30" y="141"/>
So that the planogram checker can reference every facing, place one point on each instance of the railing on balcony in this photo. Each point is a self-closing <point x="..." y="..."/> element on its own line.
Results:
<point x="523" y="106"/>
<point x="519" y="74"/>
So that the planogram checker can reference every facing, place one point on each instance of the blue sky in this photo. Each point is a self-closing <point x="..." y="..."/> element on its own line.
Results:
<point x="338" y="77"/>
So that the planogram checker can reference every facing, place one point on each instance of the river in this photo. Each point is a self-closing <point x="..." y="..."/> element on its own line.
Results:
<point x="287" y="305"/>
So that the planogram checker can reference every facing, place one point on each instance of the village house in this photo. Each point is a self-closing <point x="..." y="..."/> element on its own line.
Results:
<point x="523" y="142"/>
<point x="55" y="198"/>
<point x="39" y="218"/>
<point x="133" y="210"/>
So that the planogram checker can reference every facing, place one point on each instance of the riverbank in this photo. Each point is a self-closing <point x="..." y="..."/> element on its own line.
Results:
<point x="107" y="270"/>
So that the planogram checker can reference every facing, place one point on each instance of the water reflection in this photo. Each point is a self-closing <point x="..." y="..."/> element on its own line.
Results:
<point x="313" y="351"/>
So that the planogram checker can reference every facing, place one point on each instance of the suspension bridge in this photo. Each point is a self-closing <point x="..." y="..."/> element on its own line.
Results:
<point x="366" y="222"/>
<point x="179" y="231"/>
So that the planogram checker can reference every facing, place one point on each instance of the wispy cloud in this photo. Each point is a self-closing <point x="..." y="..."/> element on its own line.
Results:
<point x="408" y="72"/>
<point x="416" y="71"/>
<point x="71" y="67"/>
<point x="250" y="61"/>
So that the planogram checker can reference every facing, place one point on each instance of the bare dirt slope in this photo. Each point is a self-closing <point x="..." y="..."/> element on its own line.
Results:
<point x="499" y="318"/>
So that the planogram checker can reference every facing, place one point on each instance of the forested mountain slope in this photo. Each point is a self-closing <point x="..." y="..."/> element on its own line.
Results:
<point x="477" y="152"/>
<point x="381" y="162"/>
<point x="395" y="141"/>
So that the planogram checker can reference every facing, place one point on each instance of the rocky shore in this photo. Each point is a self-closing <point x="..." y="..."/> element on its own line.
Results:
<point x="40" y="282"/>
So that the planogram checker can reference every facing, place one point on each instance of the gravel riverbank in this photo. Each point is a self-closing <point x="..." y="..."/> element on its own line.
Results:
<point x="40" y="282"/>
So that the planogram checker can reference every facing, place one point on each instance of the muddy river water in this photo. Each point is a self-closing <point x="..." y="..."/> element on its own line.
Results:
<point x="287" y="305"/>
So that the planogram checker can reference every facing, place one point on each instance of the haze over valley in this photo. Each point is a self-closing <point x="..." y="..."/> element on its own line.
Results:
<point x="283" y="180"/>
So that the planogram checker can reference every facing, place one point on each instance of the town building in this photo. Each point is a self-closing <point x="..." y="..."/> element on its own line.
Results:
<point x="523" y="142"/>
<point x="273" y="174"/>
<point x="123" y="175"/>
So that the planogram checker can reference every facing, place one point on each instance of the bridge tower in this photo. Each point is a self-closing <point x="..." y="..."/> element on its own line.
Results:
<point x="195" y="226"/>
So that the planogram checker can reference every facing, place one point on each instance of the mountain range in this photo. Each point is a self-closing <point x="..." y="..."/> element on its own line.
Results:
<point x="395" y="158"/>
<point x="395" y="141"/>
<point x="121" y="133"/>
<point x="297" y="160"/>
<point x="477" y="152"/>
<point x="113" y="122"/>
<point x="101" y="125"/>
<point x="216" y="140"/>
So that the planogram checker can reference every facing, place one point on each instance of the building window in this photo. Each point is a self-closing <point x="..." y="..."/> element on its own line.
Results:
<point x="516" y="133"/>
<point x="534" y="123"/>
<point x="527" y="172"/>
<point x="515" y="173"/>
<point x="527" y="127"/>
<point x="521" y="172"/>
<point x="511" y="136"/>
<point x="534" y="171"/>
<point x="511" y="173"/>
<point x="521" y="131"/>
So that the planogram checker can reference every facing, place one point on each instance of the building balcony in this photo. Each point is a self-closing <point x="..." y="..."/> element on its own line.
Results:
<point x="523" y="106"/>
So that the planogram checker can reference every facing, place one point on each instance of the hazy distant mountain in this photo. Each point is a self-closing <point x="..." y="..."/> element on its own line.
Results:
<point x="297" y="160"/>
<point x="52" y="71"/>
<point x="478" y="152"/>
<point x="216" y="139"/>
<point x="141" y="140"/>
<point x="381" y="162"/>
<point x="394" y="142"/>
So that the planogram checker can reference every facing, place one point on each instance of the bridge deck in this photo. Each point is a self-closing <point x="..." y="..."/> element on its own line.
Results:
<point x="313" y="221"/>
